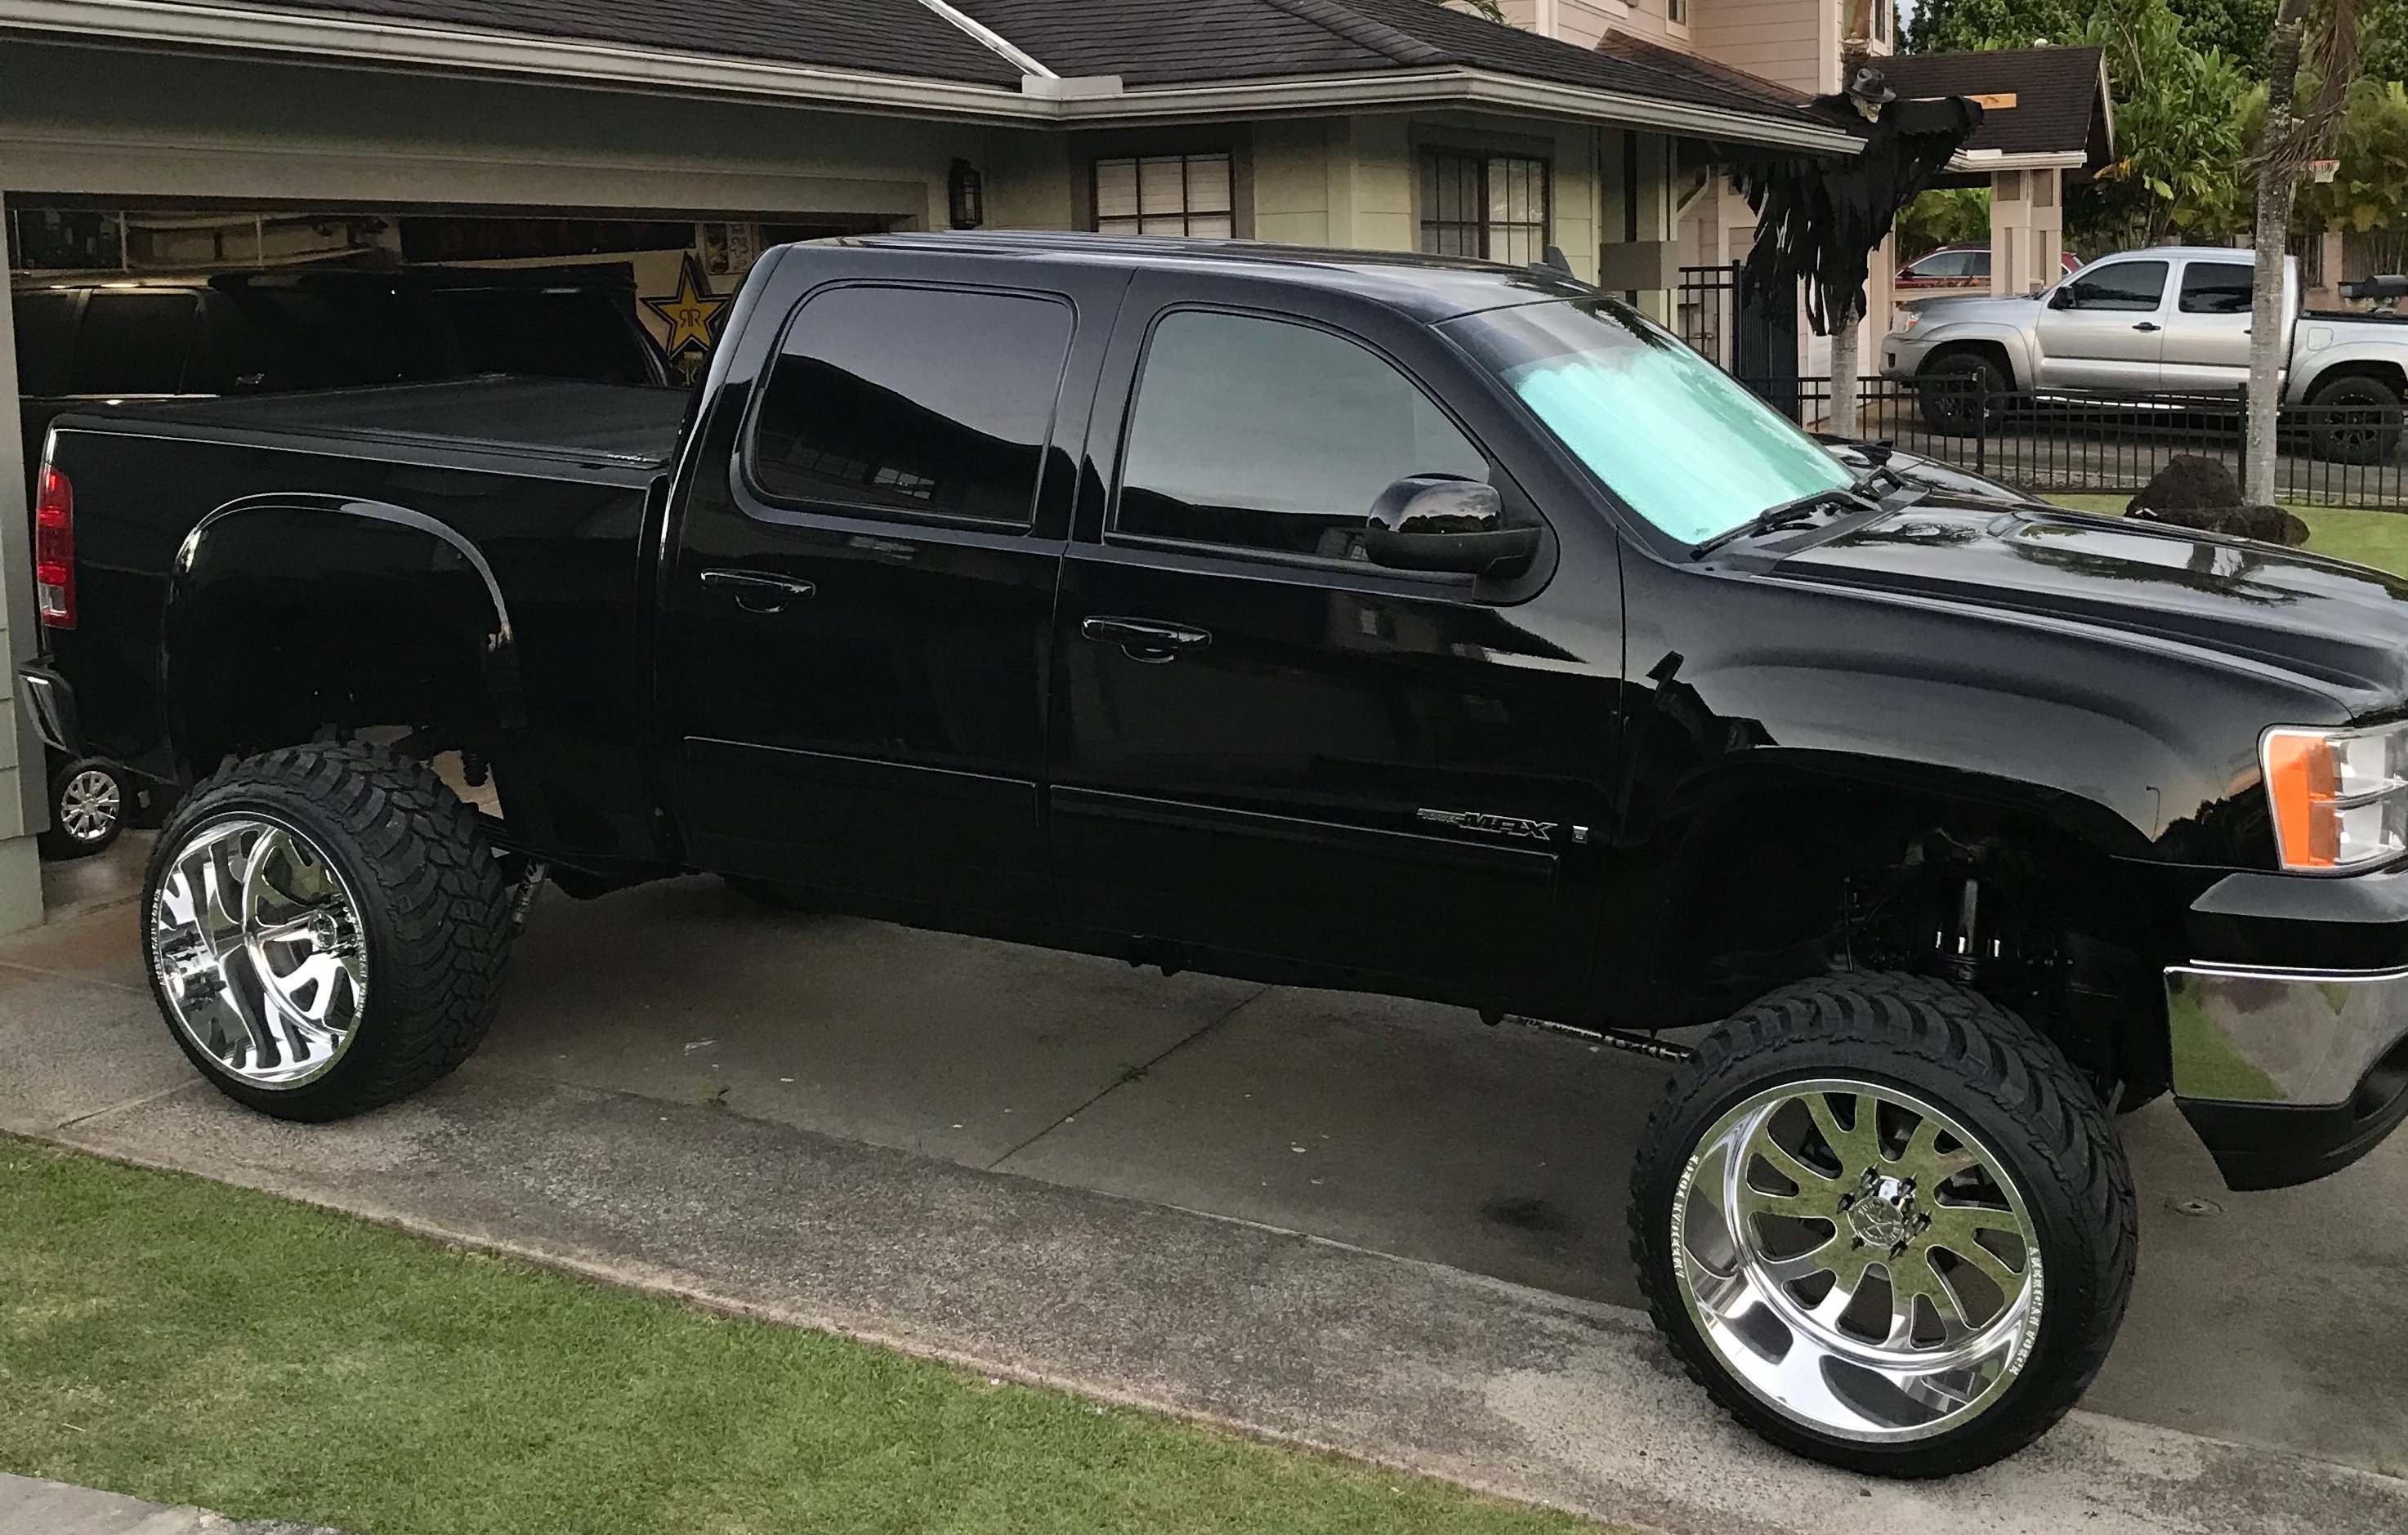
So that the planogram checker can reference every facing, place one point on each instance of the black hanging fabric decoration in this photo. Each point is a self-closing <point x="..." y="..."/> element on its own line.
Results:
<point x="1819" y="218"/>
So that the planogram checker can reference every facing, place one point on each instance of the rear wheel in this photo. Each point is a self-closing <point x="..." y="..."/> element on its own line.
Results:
<point x="90" y="797"/>
<point x="2355" y="419"/>
<point x="1884" y="1224"/>
<point x="324" y="927"/>
<point x="1960" y="391"/>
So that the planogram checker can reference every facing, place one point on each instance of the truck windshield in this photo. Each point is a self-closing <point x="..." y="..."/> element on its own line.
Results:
<point x="1681" y="442"/>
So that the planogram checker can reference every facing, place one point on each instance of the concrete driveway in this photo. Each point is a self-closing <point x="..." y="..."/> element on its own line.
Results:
<point x="2274" y="1322"/>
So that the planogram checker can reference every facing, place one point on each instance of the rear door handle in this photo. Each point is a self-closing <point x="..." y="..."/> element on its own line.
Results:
<point x="756" y="592"/>
<point x="1144" y="638"/>
<point x="2148" y="324"/>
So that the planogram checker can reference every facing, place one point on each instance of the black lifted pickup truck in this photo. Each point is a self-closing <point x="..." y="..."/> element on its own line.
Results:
<point x="1422" y="627"/>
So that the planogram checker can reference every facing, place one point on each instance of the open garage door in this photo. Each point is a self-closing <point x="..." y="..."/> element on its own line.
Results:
<point x="124" y="303"/>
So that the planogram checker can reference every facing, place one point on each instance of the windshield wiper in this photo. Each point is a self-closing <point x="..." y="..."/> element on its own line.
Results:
<point x="1790" y="514"/>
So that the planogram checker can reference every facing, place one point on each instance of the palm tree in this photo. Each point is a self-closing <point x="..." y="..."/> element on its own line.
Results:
<point x="2324" y="34"/>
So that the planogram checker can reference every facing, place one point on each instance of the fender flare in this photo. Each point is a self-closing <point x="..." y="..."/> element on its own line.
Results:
<point x="293" y="540"/>
<point x="2013" y="342"/>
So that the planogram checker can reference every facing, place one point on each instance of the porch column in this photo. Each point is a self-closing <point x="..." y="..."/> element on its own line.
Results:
<point x="2046" y="190"/>
<point x="2027" y="229"/>
<point x="2009" y="232"/>
<point x="23" y="805"/>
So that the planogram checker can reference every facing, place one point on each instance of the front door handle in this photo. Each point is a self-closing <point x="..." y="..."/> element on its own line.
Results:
<point x="1144" y="638"/>
<point x="2148" y="324"/>
<point x="756" y="592"/>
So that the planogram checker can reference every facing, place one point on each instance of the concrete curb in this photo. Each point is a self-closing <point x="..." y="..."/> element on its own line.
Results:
<point x="32" y="1507"/>
<point x="1281" y="1337"/>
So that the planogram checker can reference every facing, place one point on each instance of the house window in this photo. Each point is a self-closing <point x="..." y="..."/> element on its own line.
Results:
<point x="1489" y="205"/>
<point x="1165" y="194"/>
<point x="1677" y="13"/>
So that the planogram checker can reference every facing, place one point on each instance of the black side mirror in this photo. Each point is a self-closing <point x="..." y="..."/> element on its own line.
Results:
<point x="1435" y="522"/>
<point x="2062" y="299"/>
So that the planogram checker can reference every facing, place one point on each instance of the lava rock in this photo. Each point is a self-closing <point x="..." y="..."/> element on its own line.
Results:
<point x="2188" y="483"/>
<point x="2267" y="525"/>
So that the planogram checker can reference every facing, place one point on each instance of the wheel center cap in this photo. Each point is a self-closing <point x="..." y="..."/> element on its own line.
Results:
<point x="1883" y="1212"/>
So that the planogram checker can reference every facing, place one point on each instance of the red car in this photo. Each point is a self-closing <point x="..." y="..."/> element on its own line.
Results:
<point x="1958" y="267"/>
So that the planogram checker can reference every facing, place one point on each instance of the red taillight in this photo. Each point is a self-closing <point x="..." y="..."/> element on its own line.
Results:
<point x="55" y="573"/>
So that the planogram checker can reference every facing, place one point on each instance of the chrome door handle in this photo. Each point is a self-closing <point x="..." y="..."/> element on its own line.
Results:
<point x="1144" y="638"/>
<point x="756" y="592"/>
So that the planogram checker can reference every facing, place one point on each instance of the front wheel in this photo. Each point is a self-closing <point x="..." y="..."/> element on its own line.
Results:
<point x="1962" y="392"/>
<point x="1884" y="1224"/>
<point x="324" y="927"/>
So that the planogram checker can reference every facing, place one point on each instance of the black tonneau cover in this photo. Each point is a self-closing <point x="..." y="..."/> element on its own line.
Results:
<point x="563" y="418"/>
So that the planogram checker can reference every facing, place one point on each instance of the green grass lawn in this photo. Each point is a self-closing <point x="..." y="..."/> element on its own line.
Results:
<point x="2379" y="538"/>
<point x="188" y="1342"/>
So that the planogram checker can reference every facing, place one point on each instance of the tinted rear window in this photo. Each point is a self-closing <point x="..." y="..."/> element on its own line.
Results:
<point x="923" y="400"/>
<point x="132" y="343"/>
<point x="45" y="320"/>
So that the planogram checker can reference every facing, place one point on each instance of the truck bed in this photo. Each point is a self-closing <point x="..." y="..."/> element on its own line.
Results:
<point x="566" y="420"/>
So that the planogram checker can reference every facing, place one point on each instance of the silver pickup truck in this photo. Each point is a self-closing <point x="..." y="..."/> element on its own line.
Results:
<point x="2172" y="321"/>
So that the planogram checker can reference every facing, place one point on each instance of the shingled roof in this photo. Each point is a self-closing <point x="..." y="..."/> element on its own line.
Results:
<point x="1424" y="51"/>
<point x="2062" y="105"/>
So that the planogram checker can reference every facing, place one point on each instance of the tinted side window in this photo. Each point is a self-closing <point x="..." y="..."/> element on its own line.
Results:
<point x="45" y="338"/>
<point x="1267" y="434"/>
<point x="132" y="343"/>
<point x="1944" y="264"/>
<point x="2217" y="287"/>
<point x="2128" y="285"/>
<point x="914" y="400"/>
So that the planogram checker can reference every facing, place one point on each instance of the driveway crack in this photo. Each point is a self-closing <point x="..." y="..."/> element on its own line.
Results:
<point x="1134" y="1073"/>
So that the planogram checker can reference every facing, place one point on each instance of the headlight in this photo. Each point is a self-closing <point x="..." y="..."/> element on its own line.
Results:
<point x="1908" y="319"/>
<point x="2340" y="796"/>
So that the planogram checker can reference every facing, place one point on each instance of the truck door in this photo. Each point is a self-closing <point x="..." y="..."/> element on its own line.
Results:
<point x="1264" y="743"/>
<point x="2104" y="328"/>
<point x="859" y="601"/>
<point x="2207" y="342"/>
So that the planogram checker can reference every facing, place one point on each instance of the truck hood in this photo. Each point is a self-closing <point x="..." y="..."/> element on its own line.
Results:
<point x="2337" y="623"/>
<point x="1935" y="312"/>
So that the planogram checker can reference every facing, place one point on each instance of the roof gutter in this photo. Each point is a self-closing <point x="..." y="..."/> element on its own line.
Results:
<point x="1970" y="161"/>
<point x="1456" y="85"/>
<point x="382" y="42"/>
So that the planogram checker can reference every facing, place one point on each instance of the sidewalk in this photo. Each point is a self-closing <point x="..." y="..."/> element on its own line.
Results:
<point x="28" y="1507"/>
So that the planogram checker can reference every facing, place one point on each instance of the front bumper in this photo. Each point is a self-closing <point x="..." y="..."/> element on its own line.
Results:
<point x="2291" y="1054"/>
<point x="1901" y="356"/>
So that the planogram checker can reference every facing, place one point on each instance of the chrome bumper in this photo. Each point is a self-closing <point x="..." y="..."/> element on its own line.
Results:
<point x="2304" y="1038"/>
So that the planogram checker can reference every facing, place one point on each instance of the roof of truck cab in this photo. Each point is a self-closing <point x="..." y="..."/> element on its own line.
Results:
<point x="1429" y="288"/>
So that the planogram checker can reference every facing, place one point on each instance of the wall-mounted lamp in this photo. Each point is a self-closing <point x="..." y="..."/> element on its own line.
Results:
<point x="965" y="195"/>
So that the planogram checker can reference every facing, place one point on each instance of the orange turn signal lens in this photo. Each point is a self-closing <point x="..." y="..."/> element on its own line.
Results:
<point x="2340" y="797"/>
<point x="2302" y="776"/>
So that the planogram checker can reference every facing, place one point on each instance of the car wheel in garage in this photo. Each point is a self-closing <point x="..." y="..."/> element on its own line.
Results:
<point x="90" y="799"/>
<point x="1844" y="1210"/>
<point x="2355" y="420"/>
<point x="324" y="928"/>
<point x="1959" y="391"/>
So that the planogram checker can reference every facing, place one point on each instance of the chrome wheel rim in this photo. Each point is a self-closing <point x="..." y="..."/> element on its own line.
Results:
<point x="88" y="806"/>
<point x="1857" y="1261"/>
<point x="256" y="946"/>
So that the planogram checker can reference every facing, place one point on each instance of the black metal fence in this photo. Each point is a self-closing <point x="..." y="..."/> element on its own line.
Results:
<point x="2344" y="455"/>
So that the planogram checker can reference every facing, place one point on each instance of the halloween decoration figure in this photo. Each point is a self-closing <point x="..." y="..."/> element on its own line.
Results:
<point x="1820" y="216"/>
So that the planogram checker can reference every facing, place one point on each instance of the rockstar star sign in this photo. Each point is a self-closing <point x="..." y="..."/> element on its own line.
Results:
<point x="692" y="313"/>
